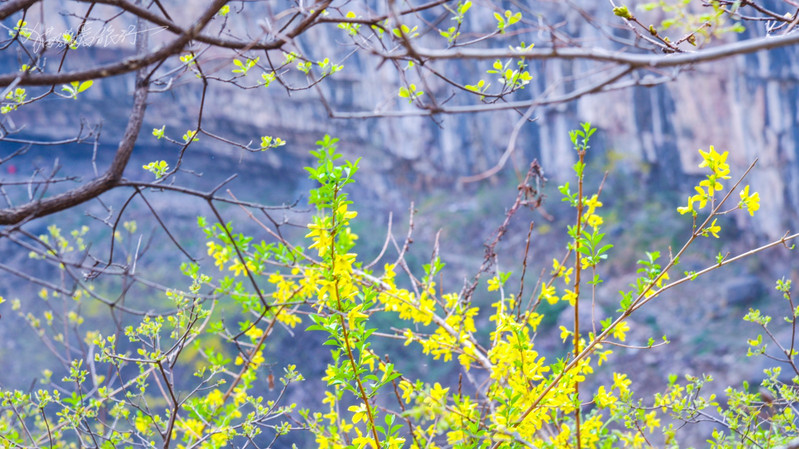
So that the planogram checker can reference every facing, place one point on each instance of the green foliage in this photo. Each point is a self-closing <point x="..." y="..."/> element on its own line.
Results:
<point x="74" y="88"/>
<point x="158" y="168"/>
<point x="20" y="29"/>
<point x="506" y="20"/>
<point x="15" y="100"/>
<point x="410" y="92"/>
<point x="243" y="67"/>
<point x="268" y="142"/>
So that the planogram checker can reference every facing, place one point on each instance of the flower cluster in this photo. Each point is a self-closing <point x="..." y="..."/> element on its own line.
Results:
<point x="706" y="191"/>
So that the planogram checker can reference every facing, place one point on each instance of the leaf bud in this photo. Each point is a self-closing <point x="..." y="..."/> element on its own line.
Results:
<point x="622" y="12"/>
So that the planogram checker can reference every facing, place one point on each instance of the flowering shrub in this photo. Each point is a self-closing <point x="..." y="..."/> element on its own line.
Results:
<point x="513" y="395"/>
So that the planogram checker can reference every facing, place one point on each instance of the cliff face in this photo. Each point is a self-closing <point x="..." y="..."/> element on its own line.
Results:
<point x="747" y="105"/>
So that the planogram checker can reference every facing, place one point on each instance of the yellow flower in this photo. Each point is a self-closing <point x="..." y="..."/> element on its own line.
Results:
<point x="362" y="440"/>
<point x="593" y="203"/>
<point x="215" y="398"/>
<point x="701" y="197"/>
<point x="320" y="235"/>
<point x="651" y="421"/>
<point x="438" y="394"/>
<point x="254" y="332"/>
<point x="604" y="398"/>
<point x="712" y="229"/>
<point x="716" y="162"/>
<point x="493" y="284"/>
<point x="634" y="440"/>
<point x="407" y="390"/>
<point x="548" y="293"/>
<point x="621" y="383"/>
<point x="344" y="215"/>
<point x="620" y="331"/>
<point x="408" y="334"/>
<point x="749" y="202"/>
<point x="355" y="315"/>
<point x="712" y="185"/>
<point x="663" y="277"/>
<point x="569" y="296"/>
<point x="594" y="221"/>
<point x="535" y="320"/>
<point x="359" y="413"/>
<point x="689" y="208"/>
<point x="565" y="333"/>
<point x="559" y="270"/>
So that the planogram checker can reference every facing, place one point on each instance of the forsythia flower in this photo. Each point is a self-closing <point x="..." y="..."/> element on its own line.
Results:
<point x="570" y="296"/>
<point x="652" y="421"/>
<point x="565" y="333"/>
<point x="559" y="270"/>
<point x="215" y="398"/>
<point x="593" y="203"/>
<point x="594" y="221"/>
<point x="493" y="284"/>
<point x="548" y="293"/>
<point x="689" y="208"/>
<point x="749" y="202"/>
<point x="621" y="383"/>
<point x="620" y="331"/>
<point x="716" y="162"/>
<point x="634" y="440"/>
<point x="604" y="398"/>
<point x="359" y="413"/>
<point x="712" y="229"/>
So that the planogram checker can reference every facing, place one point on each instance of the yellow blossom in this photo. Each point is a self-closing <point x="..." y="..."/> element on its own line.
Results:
<point x="565" y="333"/>
<point x="359" y="413"/>
<point x="559" y="270"/>
<point x="548" y="293"/>
<point x="594" y="221"/>
<point x="215" y="398"/>
<point x="534" y="320"/>
<point x="593" y="203"/>
<point x="652" y="421"/>
<point x="620" y="331"/>
<point x="605" y="399"/>
<point x="569" y="296"/>
<point x="493" y="284"/>
<point x="749" y="202"/>
<point x="355" y="315"/>
<point x="634" y="440"/>
<point x="689" y="208"/>
<point x="621" y="383"/>
<point x="362" y="440"/>
<point x="663" y="277"/>
<point x="712" y="229"/>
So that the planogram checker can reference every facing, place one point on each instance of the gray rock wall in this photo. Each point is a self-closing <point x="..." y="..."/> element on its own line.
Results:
<point x="746" y="105"/>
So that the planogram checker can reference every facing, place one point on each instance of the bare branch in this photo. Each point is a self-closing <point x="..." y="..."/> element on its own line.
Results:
<point x="14" y="6"/>
<point x="635" y="61"/>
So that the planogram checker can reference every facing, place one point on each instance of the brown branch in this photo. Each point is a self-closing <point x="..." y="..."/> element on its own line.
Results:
<point x="107" y="181"/>
<point x="14" y="6"/>
<point x="618" y="57"/>
<point x="171" y="26"/>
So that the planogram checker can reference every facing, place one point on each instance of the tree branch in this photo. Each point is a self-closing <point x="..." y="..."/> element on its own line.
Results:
<point x="13" y="6"/>
<point x="619" y="57"/>
<point x="107" y="181"/>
